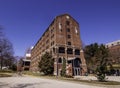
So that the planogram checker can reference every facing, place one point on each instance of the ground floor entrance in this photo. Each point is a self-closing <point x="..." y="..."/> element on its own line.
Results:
<point x="76" y="71"/>
<point x="73" y="67"/>
<point x="76" y="66"/>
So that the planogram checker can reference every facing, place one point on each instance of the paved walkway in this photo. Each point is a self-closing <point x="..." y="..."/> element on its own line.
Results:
<point x="37" y="82"/>
<point x="109" y="78"/>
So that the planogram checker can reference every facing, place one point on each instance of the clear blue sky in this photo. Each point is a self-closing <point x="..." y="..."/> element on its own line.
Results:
<point x="24" y="21"/>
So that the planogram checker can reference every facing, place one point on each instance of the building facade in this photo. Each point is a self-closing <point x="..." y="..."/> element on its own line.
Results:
<point x="62" y="40"/>
<point x="24" y="62"/>
<point x="114" y="49"/>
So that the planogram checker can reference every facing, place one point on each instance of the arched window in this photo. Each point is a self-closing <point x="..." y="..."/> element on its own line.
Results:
<point x="77" y="62"/>
<point x="59" y="60"/>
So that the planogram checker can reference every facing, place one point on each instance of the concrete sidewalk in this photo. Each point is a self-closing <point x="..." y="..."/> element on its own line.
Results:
<point x="109" y="78"/>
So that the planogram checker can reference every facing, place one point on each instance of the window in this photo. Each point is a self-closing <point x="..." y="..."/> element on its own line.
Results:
<point x="52" y="43"/>
<point x="69" y="51"/>
<point x="67" y="17"/>
<point x="47" y="41"/>
<point x="76" y="30"/>
<point x="47" y="35"/>
<point x="77" y="52"/>
<point x="27" y="63"/>
<point x="69" y="43"/>
<point x="69" y="36"/>
<point x="52" y="30"/>
<point x="60" y="30"/>
<point x="47" y="47"/>
<point x="68" y="29"/>
<point x="60" y="26"/>
<point x="52" y="36"/>
<point x="53" y="50"/>
<point x="59" y="60"/>
<point x="77" y="62"/>
<point x="69" y="61"/>
<point x="67" y="22"/>
<point x="61" y="50"/>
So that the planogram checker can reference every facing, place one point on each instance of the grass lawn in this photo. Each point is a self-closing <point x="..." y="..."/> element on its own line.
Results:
<point x="5" y="75"/>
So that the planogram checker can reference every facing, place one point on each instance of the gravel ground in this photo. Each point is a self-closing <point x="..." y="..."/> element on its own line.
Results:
<point x="37" y="82"/>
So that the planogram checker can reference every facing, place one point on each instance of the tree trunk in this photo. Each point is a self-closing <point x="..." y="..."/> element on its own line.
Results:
<point x="1" y="63"/>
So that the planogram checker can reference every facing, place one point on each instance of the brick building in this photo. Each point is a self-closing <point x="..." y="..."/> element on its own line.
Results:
<point x="24" y="62"/>
<point x="114" y="48"/>
<point x="62" y="40"/>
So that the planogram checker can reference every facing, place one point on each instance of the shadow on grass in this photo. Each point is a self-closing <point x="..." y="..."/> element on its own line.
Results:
<point x="24" y="85"/>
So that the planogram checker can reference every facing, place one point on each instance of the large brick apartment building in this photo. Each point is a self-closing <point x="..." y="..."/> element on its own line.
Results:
<point x="62" y="40"/>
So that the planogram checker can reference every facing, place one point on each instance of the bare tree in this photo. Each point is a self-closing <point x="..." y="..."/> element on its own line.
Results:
<point x="6" y="50"/>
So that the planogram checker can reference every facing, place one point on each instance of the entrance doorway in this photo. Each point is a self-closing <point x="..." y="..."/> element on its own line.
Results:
<point x="76" y="66"/>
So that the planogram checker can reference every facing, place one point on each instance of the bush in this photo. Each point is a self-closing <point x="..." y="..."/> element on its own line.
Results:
<point x="63" y="72"/>
<point x="14" y="67"/>
<point x="46" y="64"/>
